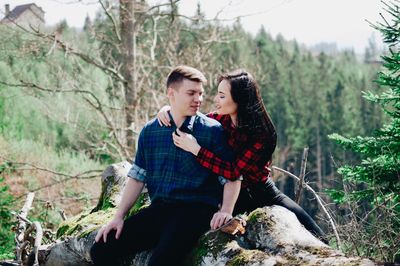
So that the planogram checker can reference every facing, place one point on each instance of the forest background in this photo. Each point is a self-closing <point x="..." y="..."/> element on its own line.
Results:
<point x="72" y="102"/>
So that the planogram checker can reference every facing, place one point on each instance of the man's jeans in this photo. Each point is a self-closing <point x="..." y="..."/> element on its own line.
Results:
<point x="170" y="229"/>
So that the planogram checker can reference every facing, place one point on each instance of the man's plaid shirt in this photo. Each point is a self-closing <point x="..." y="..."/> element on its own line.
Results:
<point x="250" y="163"/>
<point x="172" y="174"/>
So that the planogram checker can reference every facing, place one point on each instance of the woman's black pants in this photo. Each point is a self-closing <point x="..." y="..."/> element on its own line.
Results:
<point x="267" y="194"/>
<point x="171" y="230"/>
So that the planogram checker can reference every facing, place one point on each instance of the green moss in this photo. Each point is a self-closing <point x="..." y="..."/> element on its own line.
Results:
<point x="141" y="203"/>
<point x="320" y="251"/>
<point x="212" y="243"/>
<point x="87" y="222"/>
<point x="256" y="215"/>
<point x="247" y="257"/>
<point x="86" y="232"/>
<point x="106" y="204"/>
<point x="105" y="201"/>
<point x="241" y="259"/>
<point x="289" y="260"/>
<point x="62" y="230"/>
<point x="218" y="243"/>
<point x="84" y="224"/>
<point x="197" y="254"/>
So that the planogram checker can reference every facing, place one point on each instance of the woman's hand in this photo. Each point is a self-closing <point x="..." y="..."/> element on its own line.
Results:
<point x="219" y="219"/>
<point x="186" y="142"/>
<point x="163" y="117"/>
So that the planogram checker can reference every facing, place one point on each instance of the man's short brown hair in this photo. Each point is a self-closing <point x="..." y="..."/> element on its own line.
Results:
<point x="179" y="73"/>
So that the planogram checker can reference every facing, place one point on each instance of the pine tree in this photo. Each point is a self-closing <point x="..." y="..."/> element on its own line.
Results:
<point x="377" y="177"/>
<point x="87" y="26"/>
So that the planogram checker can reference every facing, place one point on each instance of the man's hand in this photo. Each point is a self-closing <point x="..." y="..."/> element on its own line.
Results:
<point x="219" y="219"/>
<point x="132" y="190"/>
<point x="116" y="224"/>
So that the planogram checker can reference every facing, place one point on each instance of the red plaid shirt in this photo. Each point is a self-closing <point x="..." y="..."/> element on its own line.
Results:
<point x="251" y="162"/>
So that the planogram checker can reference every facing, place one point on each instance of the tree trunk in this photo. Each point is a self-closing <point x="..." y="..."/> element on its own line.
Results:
<point x="128" y="68"/>
<point x="319" y="159"/>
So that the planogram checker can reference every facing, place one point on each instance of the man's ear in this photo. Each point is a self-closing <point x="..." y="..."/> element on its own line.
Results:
<point x="170" y="92"/>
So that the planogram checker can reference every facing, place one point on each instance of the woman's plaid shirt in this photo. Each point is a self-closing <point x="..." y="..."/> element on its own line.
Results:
<point x="251" y="162"/>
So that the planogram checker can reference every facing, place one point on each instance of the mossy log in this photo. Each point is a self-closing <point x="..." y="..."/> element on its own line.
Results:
<point x="273" y="236"/>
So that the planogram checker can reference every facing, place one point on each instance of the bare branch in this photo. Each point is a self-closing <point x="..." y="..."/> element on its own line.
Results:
<point x="160" y="5"/>
<point x="69" y="50"/>
<point x="318" y="200"/>
<point x="98" y="106"/>
<point x="109" y="15"/>
<point x="302" y="175"/>
<point x="123" y="153"/>
<point x="38" y="241"/>
<point x="154" y="44"/>
<point x="20" y="232"/>
<point x="63" y="215"/>
<point x="82" y="175"/>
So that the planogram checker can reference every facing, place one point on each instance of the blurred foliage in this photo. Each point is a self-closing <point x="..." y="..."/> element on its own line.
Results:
<point x="6" y="222"/>
<point x="372" y="185"/>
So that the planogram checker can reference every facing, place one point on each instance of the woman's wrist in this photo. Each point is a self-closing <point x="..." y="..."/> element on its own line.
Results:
<point x="196" y="149"/>
<point x="227" y="210"/>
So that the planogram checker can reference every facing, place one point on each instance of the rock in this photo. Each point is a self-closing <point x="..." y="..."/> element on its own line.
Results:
<point x="273" y="236"/>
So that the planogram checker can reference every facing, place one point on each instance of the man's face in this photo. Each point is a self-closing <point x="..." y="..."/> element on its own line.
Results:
<point x="186" y="97"/>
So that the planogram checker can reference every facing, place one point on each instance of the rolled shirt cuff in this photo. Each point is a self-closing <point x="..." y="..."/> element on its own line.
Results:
<point x="137" y="172"/>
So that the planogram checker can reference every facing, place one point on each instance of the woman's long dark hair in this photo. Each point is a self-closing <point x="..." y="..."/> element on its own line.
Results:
<point x="252" y="116"/>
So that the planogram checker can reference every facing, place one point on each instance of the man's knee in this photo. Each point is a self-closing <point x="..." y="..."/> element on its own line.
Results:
<point x="106" y="253"/>
<point x="98" y="253"/>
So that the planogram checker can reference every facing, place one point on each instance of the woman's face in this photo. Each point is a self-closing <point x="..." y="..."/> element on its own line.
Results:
<point x="223" y="100"/>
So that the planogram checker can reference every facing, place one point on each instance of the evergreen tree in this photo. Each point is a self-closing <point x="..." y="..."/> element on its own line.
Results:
<point x="6" y="222"/>
<point x="376" y="178"/>
<point x="87" y="26"/>
<point x="372" y="51"/>
<point x="62" y="26"/>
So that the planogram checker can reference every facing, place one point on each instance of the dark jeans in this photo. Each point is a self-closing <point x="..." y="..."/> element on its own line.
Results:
<point x="170" y="229"/>
<point x="260" y="195"/>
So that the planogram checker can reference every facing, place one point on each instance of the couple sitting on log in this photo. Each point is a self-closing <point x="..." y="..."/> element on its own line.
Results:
<point x="196" y="167"/>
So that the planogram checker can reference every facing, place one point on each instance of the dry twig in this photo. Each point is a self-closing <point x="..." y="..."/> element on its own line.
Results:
<point x="21" y="228"/>
<point x="302" y="175"/>
<point x="318" y="198"/>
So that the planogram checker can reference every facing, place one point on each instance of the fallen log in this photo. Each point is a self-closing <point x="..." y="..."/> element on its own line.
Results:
<point x="273" y="236"/>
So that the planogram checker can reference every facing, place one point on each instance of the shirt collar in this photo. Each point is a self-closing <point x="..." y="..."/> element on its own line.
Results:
<point x="230" y="124"/>
<point x="187" y="125"/>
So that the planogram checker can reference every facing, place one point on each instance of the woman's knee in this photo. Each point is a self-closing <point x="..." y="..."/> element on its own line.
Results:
<point x="284" y="201"/>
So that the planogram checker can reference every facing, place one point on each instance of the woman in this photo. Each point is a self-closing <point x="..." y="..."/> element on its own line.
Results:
<point x="252" y="136"/>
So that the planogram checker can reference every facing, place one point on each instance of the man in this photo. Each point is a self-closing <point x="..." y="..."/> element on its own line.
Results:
<point x="184" y="196"/>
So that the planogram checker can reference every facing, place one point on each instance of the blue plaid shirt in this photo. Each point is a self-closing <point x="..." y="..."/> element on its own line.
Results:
<point x="172" y="174"/>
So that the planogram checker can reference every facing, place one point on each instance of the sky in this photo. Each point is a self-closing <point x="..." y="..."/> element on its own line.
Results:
<point x="308" y="21"/>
